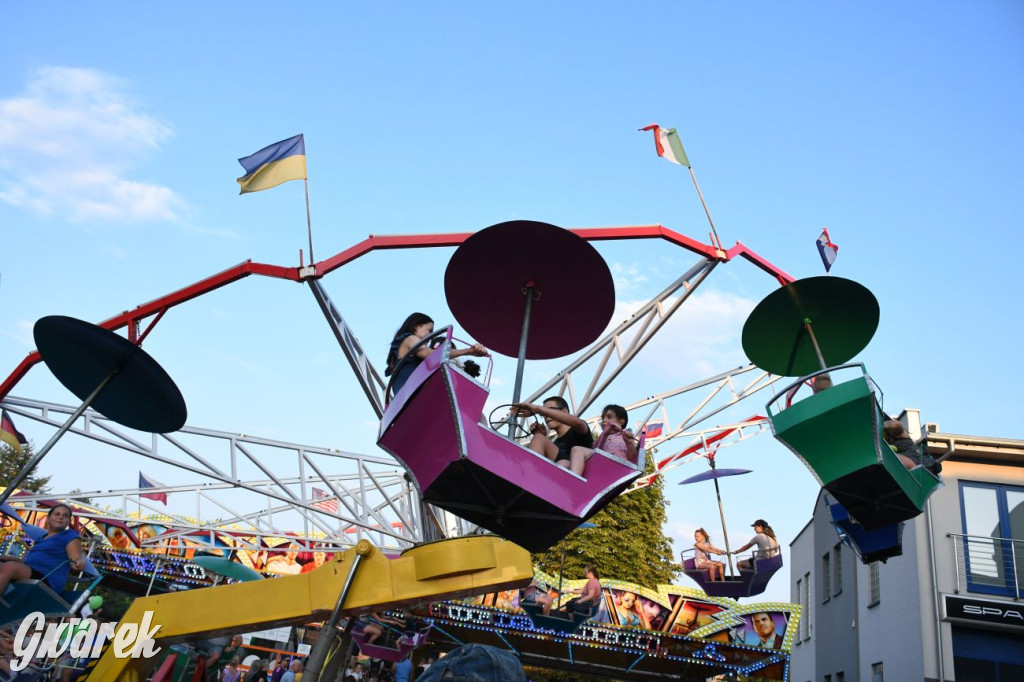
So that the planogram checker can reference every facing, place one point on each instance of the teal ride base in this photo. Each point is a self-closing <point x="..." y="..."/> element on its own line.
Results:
<point x="24" y="597"/>
<point x="837" y="433"/>
<point x="556" y="621"/>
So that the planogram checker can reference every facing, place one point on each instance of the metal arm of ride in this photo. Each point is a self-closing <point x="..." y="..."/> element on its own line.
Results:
<point x="371" y="382"/>
<point x="649" y="319"/>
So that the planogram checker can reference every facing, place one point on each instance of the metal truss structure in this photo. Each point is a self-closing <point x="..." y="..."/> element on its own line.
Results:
<point x="359" y="495"/>
<point x="374" y="498"/>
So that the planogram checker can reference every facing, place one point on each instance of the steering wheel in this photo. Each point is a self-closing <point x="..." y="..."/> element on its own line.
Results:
<point x="502" y="422"/>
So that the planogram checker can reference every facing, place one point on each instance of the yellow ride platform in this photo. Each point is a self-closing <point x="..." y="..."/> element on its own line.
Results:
<point x="447" y="569"/>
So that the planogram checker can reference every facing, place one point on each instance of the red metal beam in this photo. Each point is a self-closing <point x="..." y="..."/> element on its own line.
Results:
<point x="160" y="305"/>
<point x="759" y="261"/>
<point x="372" y="243"/>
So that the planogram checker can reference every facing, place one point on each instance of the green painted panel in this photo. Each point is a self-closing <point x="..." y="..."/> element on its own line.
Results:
<point x="839" y="431"/>
<point x="833" y="432"/>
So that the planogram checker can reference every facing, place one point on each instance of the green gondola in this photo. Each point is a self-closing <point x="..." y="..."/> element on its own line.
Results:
<point x="837" y="433"/>
<point x="811" y="327"/>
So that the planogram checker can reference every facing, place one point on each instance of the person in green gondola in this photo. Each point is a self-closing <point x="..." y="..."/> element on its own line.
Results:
<point x="897" y="436"/>
<point x="820" y="383"/>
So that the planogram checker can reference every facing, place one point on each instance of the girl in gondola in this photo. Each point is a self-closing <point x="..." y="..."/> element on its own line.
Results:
<point x="416" y="328"/>
<point x="615" y="439"/>
<point x="704" y="562"/>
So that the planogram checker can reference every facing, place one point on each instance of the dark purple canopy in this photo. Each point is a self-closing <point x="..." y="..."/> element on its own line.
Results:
<point x="714" y="473"/>
<point x="81" y="355"/>
<point x="574" y="293"/>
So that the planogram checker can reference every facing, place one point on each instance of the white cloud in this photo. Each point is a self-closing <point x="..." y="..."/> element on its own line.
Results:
<point x="114" y="251"/>
<point x="701" y="339"/>
<point x="22" y="333"/>
<point x="629" y="278"/>
<point x="68" y="144"/>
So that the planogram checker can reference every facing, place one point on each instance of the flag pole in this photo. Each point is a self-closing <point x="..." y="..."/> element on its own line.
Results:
<point x="309" y="223"/>
<point x="706" y="211"/>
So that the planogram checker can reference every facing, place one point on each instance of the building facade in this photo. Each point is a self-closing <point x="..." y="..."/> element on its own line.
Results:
<point x="950" y="608"/>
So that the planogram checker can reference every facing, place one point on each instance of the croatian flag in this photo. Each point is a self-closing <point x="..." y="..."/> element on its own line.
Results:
<point x="827" y="249"/>
<point x="147" y="482"/>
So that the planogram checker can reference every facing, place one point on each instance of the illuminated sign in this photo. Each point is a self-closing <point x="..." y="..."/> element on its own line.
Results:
<point x="986" y="613"/>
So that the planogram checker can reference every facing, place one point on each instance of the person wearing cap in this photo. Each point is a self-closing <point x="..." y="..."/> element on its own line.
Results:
<point x="476" y="662"/>
<point x="534" y="593"/>
<point x="764" y="538"/>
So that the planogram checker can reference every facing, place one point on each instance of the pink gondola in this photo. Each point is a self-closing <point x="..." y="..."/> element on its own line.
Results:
<point x="405" y="645"/>
<point x="464" y="466"/>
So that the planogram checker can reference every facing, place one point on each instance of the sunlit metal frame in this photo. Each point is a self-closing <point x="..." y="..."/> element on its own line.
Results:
<point x="397" y="496"/>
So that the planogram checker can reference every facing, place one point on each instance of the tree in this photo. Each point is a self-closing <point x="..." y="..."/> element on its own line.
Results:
<point x="628" y="544"/>
<point x="11" y="462"/>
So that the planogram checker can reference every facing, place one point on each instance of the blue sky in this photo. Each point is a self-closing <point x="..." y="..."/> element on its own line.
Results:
<point x="897" y="126"/>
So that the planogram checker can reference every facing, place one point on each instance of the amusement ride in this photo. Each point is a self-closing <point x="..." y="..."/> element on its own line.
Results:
<point x="463" y="499"/>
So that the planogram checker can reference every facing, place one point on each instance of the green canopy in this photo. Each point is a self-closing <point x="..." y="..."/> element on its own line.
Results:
<point x="842" y="316"/>
<point x="227" y="568"/>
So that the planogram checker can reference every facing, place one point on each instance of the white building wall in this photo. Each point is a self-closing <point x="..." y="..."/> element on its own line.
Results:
<point x="890" y="631"/>
<point x="904" y="631"/>
<point x="802" y="656"/>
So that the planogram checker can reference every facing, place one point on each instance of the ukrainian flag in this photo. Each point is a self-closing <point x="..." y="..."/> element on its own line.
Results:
<point x="273" y="165"/>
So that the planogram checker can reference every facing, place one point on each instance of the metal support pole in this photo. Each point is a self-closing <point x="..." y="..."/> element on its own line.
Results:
<point x="521" y="360"/>
<point x="814" y="340"/>
<point x="152" y="578"/>
<point x="317" y="657"/>
<point x="725" y="534"/>
<point x="1013" y="565"/>
<point x="30" y="467"/>
<point x="561" y="570"/>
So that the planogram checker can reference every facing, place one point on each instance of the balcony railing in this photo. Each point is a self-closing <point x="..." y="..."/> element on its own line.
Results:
<point x="989" y="565"/>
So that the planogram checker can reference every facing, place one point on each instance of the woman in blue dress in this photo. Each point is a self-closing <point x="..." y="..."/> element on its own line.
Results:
<point x="416" y="328"/>
<point x="51" y="557"/>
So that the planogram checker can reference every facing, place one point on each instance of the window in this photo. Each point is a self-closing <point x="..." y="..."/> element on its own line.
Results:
<point x="805" y="601"/>
<point x="800" y="600"/>
<point x="828" y="678"/>
<point x="826" y="575"/>
<point x="993" y="521"/>
<point x="876" y="670"/>
<point x="840" y="676"/>
<point x="875" y="587"/>
<point x="837" y="568"/>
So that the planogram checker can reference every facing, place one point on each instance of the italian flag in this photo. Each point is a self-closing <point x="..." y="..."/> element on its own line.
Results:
<point x="668" y="144"/>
